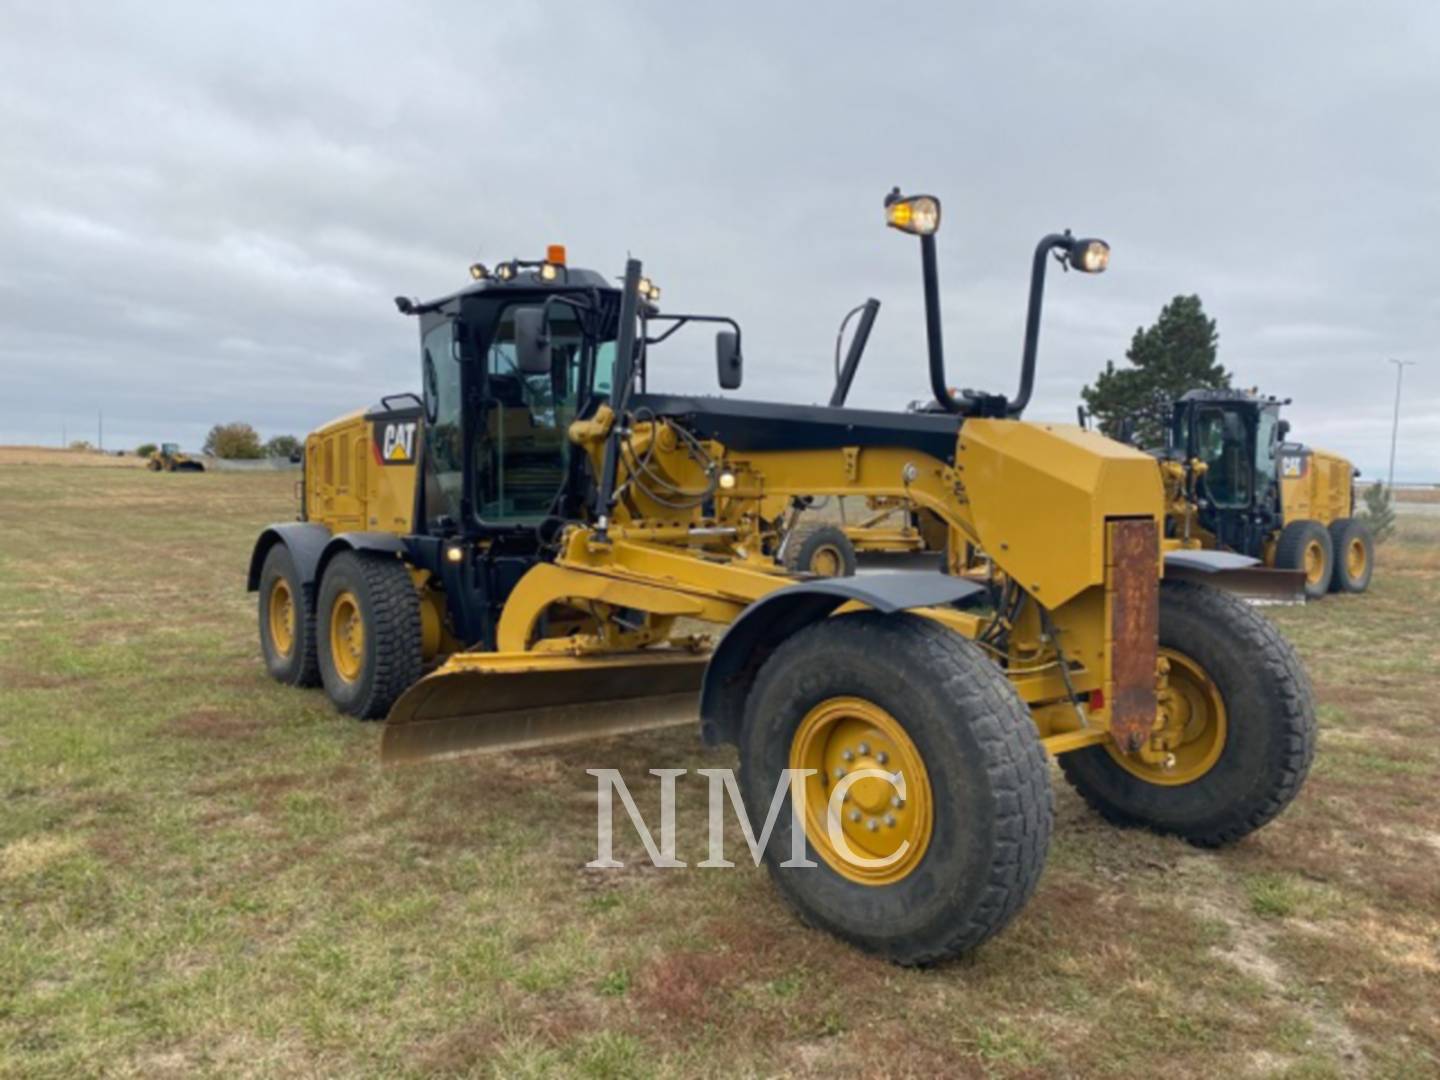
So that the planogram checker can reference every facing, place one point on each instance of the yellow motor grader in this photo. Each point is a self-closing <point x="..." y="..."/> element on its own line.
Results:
<point x="522" y="553"/>
<point x="1235" y="482"/>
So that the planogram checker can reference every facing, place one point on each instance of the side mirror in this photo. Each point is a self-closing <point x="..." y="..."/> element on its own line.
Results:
<point x="1282" y="429"/>
<point x="727" y="359"/>
<point x="532" y="341"/>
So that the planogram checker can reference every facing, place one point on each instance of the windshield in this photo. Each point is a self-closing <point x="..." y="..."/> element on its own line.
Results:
<point x="1221" y="443"/>
<point x="522" y="449"/>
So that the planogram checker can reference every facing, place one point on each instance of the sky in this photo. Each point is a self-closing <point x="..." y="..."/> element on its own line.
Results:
<point x="206" y="209"/>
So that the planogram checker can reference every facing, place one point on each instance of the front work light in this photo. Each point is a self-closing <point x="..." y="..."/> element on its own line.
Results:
<point x="1090" y="256"/>
<point x="917" y="214"/>
<point x="548" y="272"/>
<point x="478" y="271"/>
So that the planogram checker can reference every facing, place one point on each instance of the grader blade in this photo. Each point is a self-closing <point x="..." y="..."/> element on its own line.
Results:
<point x="494" y="702"/>
<point x="1263" y="584"/>
<point x="1246" y="577"/>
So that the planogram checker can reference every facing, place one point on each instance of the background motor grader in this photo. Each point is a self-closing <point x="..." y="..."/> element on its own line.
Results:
<point x="170" y="458"/>
<point x="522" y="553"/>
<point x="1234" y="482"/>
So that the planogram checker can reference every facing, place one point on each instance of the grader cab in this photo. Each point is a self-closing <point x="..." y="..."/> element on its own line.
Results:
<point x="531" y="549"/>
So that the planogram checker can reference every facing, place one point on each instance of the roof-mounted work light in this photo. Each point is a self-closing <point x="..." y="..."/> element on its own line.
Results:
<point x="916" y="214"/>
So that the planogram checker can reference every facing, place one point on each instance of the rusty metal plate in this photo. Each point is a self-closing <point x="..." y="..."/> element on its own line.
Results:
<point x="1133" y="595"/>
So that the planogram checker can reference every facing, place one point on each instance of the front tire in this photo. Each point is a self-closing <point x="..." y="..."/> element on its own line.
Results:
<point x="1239" y="766"/>
<point x="1354" y="555"/>
<point x="1306" y="545"/>
<point x="368" y="626"/>
<point x="902" y="693"/>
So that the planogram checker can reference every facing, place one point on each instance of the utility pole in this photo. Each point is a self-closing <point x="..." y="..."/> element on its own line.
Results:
<point x="1400" y="366"/>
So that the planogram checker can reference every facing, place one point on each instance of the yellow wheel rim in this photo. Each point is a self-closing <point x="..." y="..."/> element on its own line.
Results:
<point x="281" y="609"/>
<point x="1314" y="562"/>
<point x="347" y="636"/>
<point x="1194" y="729"/>
<point x="871" y="834"/>
<point x="826" y="561"/>
<point x="1355" y="559"/>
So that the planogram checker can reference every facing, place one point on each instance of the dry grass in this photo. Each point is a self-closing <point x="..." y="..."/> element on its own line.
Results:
<point x="203" y="872"/>
<point x="1418" y="495"/>
<point x="48" y="455"/>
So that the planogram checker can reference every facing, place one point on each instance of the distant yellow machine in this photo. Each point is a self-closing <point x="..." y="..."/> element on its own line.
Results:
<point x="1233" y="481"/>
<point x="830" y="546"/>
<point x="170" y="458"/>
<point x="520" y="555"/>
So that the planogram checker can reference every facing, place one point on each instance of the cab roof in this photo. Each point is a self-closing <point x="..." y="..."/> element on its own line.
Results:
<point x="526" y="279"/>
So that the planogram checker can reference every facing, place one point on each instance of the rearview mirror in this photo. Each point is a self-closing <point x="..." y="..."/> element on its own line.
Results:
<point x="727" y="359"/>
<point x="532" y="341"/>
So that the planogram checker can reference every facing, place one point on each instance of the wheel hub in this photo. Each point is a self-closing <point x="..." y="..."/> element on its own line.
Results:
<point x="282" y="617"/>
<point x="1355" y="558"/>
<point x="826" y="561"/>
<point x="347" y="636"/>
<point x="1191" y="726"/>
<point x="868" y="809"/>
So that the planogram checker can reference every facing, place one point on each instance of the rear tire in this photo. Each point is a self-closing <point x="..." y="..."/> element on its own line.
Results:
<point x="368" y="629"/>
<point x="819" y="549"/>
<point x="1267" y="735"/>
<point x="982" y="774"/>
<point x="287" y="622"/>
<point x="1354" y="548"/>
<point x="1306" y="546"/>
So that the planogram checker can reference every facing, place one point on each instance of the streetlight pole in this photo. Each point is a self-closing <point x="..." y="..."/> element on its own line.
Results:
<point x="1400" y="366"/>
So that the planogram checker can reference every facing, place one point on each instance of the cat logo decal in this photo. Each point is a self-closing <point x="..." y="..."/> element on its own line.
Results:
<point x="394" y="441"/>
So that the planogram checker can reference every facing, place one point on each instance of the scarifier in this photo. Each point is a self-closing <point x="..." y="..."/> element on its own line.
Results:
<point x="525" y="553"/>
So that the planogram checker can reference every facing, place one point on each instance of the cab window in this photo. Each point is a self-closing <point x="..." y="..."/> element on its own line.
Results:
<point x="1267" y="443"/>
<point x="444" y="448"/>
<point x="1221" y="443"/>
<point x="522" y="447"/>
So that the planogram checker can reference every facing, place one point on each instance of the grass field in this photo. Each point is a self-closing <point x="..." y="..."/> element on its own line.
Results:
<point x="203" y="872"/>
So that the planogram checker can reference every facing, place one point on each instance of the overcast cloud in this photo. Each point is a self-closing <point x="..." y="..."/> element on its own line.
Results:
<point x="204" y="214"/>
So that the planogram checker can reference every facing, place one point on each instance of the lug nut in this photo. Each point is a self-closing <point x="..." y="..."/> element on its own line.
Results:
<point x="872" y="824"/>
<point x="890" y="820"/>
<point x="854" y="815"/>
<point x="882" y="757"/>
<point x="839" y="773"/>
<point x="896" y="801"/>
<point x="864" y="748"/>
<point x="847" y="755"/>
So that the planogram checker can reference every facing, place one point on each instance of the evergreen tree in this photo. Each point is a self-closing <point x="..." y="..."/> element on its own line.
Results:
<point x="1378" y="513"/>
<point x="1172" y="356"/>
